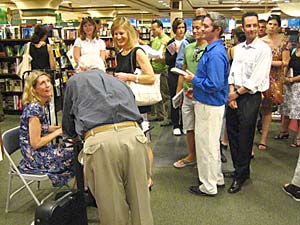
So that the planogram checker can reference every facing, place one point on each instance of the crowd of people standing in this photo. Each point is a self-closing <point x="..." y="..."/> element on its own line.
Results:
<point x="220" y="83"/>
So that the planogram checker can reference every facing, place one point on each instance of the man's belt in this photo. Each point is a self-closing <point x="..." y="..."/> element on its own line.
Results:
<point x="103" y="128"/>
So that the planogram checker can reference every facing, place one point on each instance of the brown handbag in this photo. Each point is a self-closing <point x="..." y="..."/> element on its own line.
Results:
<point x="276" y="87"/>
<point x="275" y="91"/>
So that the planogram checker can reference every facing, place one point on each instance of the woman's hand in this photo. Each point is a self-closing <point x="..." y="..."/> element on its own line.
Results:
<point x="35" y="134"/>
<point x="122" y="76"/>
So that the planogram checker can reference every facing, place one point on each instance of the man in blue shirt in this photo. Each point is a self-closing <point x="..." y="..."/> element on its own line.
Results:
<point x="210" y="89"/>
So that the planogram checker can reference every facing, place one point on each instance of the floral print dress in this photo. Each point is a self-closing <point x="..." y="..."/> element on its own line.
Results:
<point x="52" y="159"/>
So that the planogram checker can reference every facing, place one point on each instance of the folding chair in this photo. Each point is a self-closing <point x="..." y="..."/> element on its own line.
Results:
<point x="11" y="145"/>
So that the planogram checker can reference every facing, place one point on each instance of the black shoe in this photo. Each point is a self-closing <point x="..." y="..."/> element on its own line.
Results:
<point x="293" y="191"/>
<point x="223" y="157"/>
<point x="89" y="199"/>
<point x="236" y="186"/>
<point x="218" y="185"/>
<point x="196" y="190"/>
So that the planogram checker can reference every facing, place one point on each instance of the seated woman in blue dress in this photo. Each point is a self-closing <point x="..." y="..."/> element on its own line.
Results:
<point x="36" y="133"/>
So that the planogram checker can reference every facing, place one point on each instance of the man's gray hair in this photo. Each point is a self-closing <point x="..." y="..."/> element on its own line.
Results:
<point x="91" y="61"/>
<point x="218" y="20"/>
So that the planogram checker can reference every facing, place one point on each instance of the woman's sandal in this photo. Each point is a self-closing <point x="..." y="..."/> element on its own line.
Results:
<point x="262" y="147"/>
<point x="296" y="143"/>
<point x="150" y="183"/>
<point x="282" y="135"/>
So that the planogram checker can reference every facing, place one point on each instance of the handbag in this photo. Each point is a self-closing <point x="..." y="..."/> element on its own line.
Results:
<point x="145" y="94"/>
<point x="275" y="91"/>
<point x="25" y="65"/>
<point x="70" y="55"/>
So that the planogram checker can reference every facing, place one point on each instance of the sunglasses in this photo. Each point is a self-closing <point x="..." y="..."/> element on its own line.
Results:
<point x="197" y="54"/>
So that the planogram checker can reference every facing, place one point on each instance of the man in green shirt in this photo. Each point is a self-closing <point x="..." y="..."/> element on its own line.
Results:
<point x="160" y="67"/>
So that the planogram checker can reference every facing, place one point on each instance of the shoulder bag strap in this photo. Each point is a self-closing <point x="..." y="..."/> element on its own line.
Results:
<point x="133" y="58"/>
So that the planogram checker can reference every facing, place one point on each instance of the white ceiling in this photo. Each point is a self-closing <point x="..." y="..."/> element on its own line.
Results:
<point x="148" y="9"/>
<point x="161" y="8"/>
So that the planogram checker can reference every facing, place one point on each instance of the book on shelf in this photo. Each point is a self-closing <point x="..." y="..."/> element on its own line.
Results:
<point x="12" y="102"/>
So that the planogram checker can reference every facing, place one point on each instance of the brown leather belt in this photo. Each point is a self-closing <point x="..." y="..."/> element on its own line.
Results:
<point x="103" y="128"/>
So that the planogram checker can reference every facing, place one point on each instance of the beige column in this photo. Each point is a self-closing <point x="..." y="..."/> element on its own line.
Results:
<point x="37" y="9"/>
<point x="176" y="9"/>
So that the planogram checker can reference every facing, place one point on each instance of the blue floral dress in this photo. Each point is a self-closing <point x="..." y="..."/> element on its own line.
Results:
<point x="52" y="159"/>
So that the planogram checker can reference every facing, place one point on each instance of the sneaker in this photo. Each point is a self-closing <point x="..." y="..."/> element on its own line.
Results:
<point x="176" y="132"/>
<point x="293" y="191"/>
<point x="184" y="132"/>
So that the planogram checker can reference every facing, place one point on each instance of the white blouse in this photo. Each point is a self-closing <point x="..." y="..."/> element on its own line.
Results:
<point x="88" y="46"/>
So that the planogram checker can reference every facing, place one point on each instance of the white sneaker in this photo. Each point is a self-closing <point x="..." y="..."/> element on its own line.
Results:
<point x="176" y="132"/>
<point x="184" y="132"/>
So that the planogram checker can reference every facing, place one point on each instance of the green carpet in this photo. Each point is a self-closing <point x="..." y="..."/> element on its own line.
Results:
<point x="261" y="201"/>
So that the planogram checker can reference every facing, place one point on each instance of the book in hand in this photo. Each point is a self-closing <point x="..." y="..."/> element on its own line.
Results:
<point x="179" y="71"/>
<point x="172" y="48"/>
<point x="178" y="99"/>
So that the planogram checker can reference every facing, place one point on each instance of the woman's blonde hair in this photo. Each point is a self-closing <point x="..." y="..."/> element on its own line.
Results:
<point x="29" y="93"/>
<point x="123" y="22"/>
<point x="84" y="21"/>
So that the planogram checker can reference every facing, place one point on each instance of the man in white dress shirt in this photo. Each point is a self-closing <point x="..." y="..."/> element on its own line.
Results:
<point x="248" y="78"/>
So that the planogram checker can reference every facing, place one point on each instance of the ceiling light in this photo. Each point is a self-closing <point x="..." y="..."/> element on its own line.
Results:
<point x="119" y="5"/>
<point x="66" y="2"/>
<point x="236" y="9"/>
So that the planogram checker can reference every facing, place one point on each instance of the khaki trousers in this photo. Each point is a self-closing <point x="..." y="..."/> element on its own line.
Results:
<point x="296" y="178"/>
<point x="116" y="169"/>
<point x="208" y="124"/>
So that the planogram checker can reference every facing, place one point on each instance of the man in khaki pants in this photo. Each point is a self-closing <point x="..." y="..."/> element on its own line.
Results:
<point x="101" y="110"/>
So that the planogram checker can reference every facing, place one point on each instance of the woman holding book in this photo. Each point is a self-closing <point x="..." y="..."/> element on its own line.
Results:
<point x="179" y="29"/>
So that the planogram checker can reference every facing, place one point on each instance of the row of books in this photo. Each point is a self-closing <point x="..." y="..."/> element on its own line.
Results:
<point x="10" y="85"/>
<point x="13" y="102"/>
<point x="8" y="67"/>
<point x="15" y="50"/>
<point x="26" y="31"/>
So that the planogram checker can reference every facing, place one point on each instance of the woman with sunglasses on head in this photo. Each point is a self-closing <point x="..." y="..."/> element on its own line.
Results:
<point x="88" y="41"/>
<point x="279" y="44"/>
<point x="132" y="64"/>
<point x="36" y="133"/>
<point x="179" y="29"/>
<point x="192" y="55"/>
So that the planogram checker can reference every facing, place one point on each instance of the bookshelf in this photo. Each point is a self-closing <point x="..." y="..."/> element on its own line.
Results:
<point x="10" y="83"/>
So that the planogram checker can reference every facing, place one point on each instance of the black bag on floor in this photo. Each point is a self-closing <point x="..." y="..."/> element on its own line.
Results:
<point x="67" y="210"/>
<point x="70" y="208"/>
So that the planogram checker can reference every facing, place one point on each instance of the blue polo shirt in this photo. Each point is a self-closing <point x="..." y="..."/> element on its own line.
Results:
<point x="210" y="84"/>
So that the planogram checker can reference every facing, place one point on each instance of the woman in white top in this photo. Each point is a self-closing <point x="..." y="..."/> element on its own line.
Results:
<point x="88" y="41"/>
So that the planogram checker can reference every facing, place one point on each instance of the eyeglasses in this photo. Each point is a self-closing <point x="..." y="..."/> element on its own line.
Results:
<point x="197" y="54"/>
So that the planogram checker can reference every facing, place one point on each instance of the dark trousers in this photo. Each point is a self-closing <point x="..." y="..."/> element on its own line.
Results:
<point x="241" y="123"/>
<point x="175" y="113"/>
